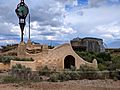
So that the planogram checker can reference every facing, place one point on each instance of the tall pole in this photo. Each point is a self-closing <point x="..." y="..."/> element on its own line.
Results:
<point x="29" y="26"/>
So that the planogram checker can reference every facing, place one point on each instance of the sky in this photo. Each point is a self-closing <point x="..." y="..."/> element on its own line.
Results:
<point x="63" y="20"/>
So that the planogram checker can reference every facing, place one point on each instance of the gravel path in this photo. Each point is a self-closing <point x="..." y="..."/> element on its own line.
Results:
<point x="68" y="85"/>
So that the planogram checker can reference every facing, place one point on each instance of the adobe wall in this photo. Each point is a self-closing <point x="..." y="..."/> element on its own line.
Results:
<point x="4" y="67"/>
<point x="54" y="58"/>
<point x="28" y="64"/>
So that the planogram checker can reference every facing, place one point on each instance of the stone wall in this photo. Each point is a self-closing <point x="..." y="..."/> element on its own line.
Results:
<point x="21" y="52"/>
<point x="29" y="64"/>
<point x="53" y="58"/>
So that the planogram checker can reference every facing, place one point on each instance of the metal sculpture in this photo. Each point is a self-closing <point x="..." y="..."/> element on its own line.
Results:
<point x="22" y="12"/>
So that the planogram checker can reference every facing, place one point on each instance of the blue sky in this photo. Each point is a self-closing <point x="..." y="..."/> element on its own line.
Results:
<point x="82" y="2"/>
<point x="63" y="20"/>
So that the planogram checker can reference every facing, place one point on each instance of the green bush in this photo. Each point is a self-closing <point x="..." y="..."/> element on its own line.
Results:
<point x="23" y="59"/>
<point x="115" y="63"/>
<point x="19" y="71"/>
<point x="106" y="61"/>
<point x="102" y="67"/>
<point x="10" y="79"/>
<point x="73" y="68"/>
<point x="9" y="47"/>
<point x="105" y="56"/>
<point x="45" y="71"/>
<point x="54" y="77"/>
<point x="87" y="72"/>
<point x="64" y="76"/>
<point x="91" y="75"/>
<point x="74" y="75"/>
<point x="88" y="56"/>
<point x="6" y="59"/>
<point x="114" y="75"/>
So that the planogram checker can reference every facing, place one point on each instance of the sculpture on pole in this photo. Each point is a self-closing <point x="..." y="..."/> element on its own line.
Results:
<point x="22" y="12"/>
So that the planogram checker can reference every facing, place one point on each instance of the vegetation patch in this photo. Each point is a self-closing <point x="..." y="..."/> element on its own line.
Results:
<point x="10" y="79"/>
<point x="7" y="59"/>
<point x="8" y="47"/>
<point x="23" y="59"/>
<point x="106" y="61"/>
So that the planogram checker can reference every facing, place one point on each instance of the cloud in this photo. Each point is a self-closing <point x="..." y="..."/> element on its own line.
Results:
<point x="46" y="20"/>
<point x="62" y="19"/>
<point x="2" y="42"/>
<point x="45" y="31"/>
<point x="102" y="21"/>
<point x="109" y="31"/>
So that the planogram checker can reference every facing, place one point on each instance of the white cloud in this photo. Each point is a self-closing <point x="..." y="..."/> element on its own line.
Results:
<point x="46" y="20"/>
<point x="94" y="16"/>
<point x="48" y="32"/>
<point x="109" y="31"/>
<point x="51" y="20"/>
<point x="102" y="22"/>
<point x="8" y="42"/>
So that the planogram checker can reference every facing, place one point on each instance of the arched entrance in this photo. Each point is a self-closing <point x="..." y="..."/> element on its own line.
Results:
<point x="69" y="61"/>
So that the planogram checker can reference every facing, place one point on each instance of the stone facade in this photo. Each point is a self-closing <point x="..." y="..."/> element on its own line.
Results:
<point x="21" y="50"/>
<point x="59" y="58"/>
<point x="88" y="44"/>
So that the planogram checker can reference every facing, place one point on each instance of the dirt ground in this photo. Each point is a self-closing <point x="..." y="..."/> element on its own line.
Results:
<point x="68" y="85"/>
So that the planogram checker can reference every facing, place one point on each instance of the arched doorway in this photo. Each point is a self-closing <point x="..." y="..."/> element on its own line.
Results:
<point x="69" y="61"/>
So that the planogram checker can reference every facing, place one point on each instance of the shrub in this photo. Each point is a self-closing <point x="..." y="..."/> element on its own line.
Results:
<point x="45" y="71"/>
<point x="64" y="76"/>
<point x="114" y="75"/>
<point x="104" y="56"/>
<point x="36" y="78"/>
<point x="87" y="72"/>
<point x="102" y="66"/>
<point x="5" y="59"/>
<point x="54" y="77"/>
<point x="115" y="64"/>
<point x="19" y="71"/>
<point x="73" y="68"/>
<point x="88" y="56"/>
<point x="74" y="75"/>
<point x="10" y="79"/>
<point x="9" y="47"/>
<point x="23" y="59"/>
